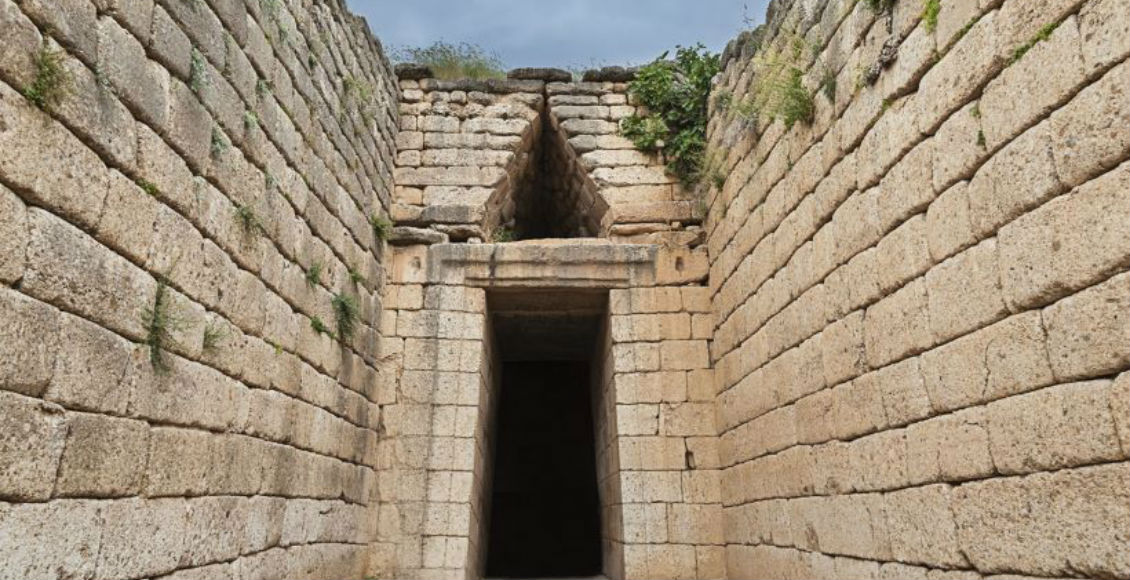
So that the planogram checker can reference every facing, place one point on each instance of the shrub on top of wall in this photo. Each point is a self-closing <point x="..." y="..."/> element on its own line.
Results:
<point x="454" y="61"/>
<point x="675" y="93"/>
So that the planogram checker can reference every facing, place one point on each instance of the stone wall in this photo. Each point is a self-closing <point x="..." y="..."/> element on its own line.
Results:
<point x="921" y="297"/>
<point x="533" y="156"/>
<point x="202" y="183"/>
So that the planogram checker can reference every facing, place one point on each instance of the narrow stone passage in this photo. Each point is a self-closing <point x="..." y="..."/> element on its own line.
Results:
<point x="545" y="518"/>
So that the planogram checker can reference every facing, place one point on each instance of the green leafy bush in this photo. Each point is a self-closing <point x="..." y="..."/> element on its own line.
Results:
<point x="675" y="93"/>
<point x="454" y="61"/>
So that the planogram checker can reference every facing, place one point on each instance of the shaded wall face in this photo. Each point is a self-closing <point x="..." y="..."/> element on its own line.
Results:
<point x="921" y="298"/>
<point x="170" y="224"/>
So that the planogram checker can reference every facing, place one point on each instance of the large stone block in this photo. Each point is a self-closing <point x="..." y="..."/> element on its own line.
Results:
<point x="1088" y="332"/>
<point x="1104" y="33"/>
<point x="28" y="343"/>
<point x="181" y="462"/>
<point x="1031" y="87"/>
<point x="1006" y="358"/>
<point x="684" y="354"/>
<point x="903" y="254"/>
<point x="687" y="419"/>
<point x="104" y="457"/>
<point x="1085" y="136"/>
<point x="637" y="419"/>
<point x="60" y="539"/>
<point x="695" y="523"/>
<point x="666" y="386"/>
<point x="1068" y="243"/>
<point x="48" y="164"/>
<point x="1072" y="521"/>
<point x="905" y="398"/>
<point x="1057" y="427"/>
<point x="948" y="227"/>
<point x="952" y="447"/>
<point x="645" y="523"/>
<point x="965" y="292"/>
<point x="32" y="436"/>
<point x="141" y="537"/>
<point x="188" y="394"/>
<point x="1018" y="178"/>
<point x="141" y="83"/>
<point x="898" y="325"/>
<point x="842" y="351"/>
<point x="127" y="221"/>
<point x="190" y="126"/>
<point x="71" y="270"/>
<point x="13" y="236"/>
<point x="922" y="528"/>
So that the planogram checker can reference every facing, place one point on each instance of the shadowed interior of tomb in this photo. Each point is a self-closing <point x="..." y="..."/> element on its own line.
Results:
<point x="545" y="507"/>
<point x="554" y="197"/>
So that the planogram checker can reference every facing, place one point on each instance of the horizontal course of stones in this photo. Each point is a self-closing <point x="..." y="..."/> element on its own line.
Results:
<point x="254" y="454"/>
<point x="467" y="150"/>
<point x="921" y="298"/>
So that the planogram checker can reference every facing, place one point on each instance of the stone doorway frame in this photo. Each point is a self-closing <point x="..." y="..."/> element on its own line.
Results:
<point x="657" y="443"/>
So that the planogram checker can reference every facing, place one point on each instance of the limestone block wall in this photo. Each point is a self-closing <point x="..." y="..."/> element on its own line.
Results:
<point x="202" y="181"/>
<point x="475" y="157"/>
<point x="664" y="481"/>
<point x="921" y="299"/>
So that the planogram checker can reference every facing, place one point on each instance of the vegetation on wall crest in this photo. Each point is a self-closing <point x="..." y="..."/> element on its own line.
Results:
<point x="675" y="93"/>
<point x="449" y="61"/>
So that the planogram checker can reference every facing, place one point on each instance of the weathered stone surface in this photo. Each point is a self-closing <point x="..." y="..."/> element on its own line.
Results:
<point x="898" y="325"/>
<point x="13" y="236"/>
<point x="964" y="292"/>
<point x="404" y="235"/>
<point x="104" y="457"/>
<point x="57" y="540"/>
<point x="32" y="436"/>
<point x="1047" y="524"/>
<point x="1054" y="428"/>
<point x="540" y="74"/>
<point x="1087" y="332"/>
<point x="1068" y="243"/>
<point x="28" y="343"/>
<point x="407" y="71"/>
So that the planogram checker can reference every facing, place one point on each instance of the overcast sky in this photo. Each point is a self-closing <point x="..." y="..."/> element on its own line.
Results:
<point x="561" y="33"/>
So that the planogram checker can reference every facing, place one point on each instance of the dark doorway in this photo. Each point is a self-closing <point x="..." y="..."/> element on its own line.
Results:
<point x="545" y="509"/>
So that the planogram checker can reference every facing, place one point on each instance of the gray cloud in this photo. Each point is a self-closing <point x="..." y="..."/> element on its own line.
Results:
<point x="564" y="33"/>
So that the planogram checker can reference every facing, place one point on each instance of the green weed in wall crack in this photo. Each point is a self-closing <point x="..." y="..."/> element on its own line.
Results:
<point x="314" y="274"/>
<point x="1041" y="35"/>
<point x="247" y="219"/>
<point x="161" y="320"/>
<point x="381" y="225"/>
<point x="52" y="80"/>
<point x="214" y="334"/>
<point x="930" y="14"/>
<point x="675" y="93"/>
<point x="346" y="312"/>
<point x="320" y="327"/>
